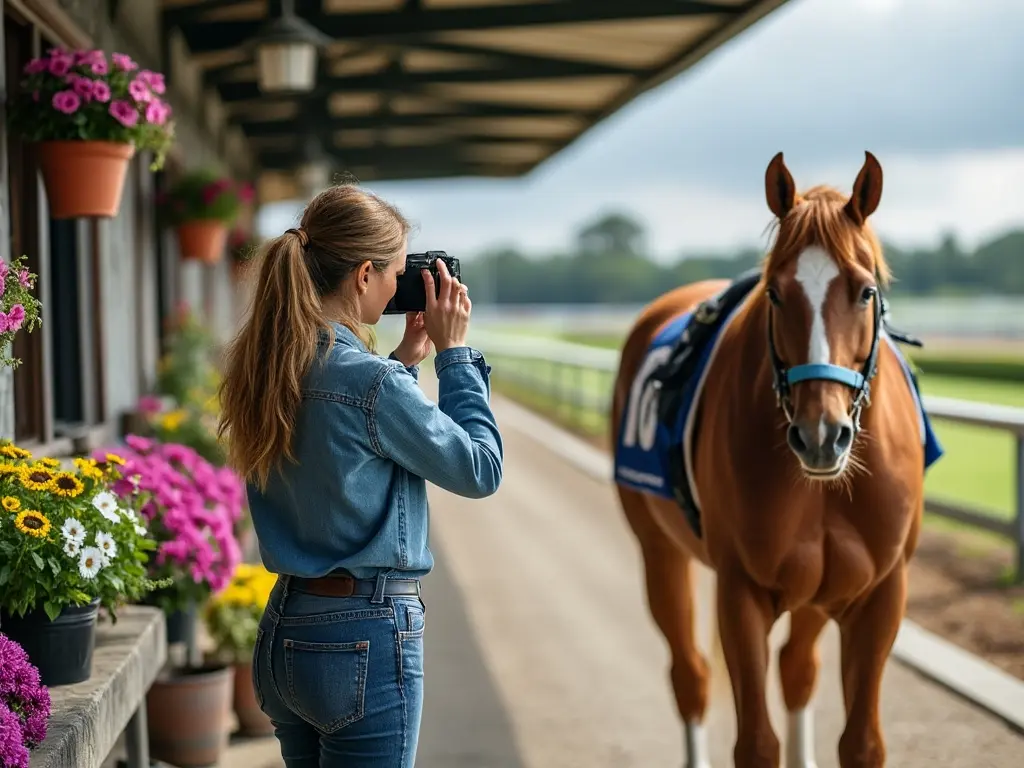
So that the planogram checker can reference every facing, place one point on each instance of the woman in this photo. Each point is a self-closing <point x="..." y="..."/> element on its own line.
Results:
<point x="336" y="444"/>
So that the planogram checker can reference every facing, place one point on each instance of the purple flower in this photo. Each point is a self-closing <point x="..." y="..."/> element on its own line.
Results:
<point x="124" y="112"/>
<point x="13" y="752"/>
<point x="67" y="102"/>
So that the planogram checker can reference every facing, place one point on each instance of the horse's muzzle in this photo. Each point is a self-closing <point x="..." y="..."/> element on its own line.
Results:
<point x="822" y="446"/>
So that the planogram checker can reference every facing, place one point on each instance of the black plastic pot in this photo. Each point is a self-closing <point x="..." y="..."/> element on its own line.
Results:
<point x="61" y="649"/>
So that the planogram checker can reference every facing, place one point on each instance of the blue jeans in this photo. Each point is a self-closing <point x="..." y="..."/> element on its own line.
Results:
<point x="341" y="677"/>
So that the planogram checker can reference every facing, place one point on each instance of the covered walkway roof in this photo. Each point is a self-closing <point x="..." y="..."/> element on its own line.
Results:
<point x="440" y="88"/>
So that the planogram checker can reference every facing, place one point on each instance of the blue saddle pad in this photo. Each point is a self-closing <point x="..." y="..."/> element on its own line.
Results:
<point x="642" y="453"/>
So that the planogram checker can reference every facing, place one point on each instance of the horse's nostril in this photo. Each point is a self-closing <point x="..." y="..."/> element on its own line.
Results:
<point x="844" y="438"/>
<point x="795" y="439"/>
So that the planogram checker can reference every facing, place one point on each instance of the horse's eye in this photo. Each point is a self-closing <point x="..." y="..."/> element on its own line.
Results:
<point x="773" y="297"/>
<point x="867" y="294"/>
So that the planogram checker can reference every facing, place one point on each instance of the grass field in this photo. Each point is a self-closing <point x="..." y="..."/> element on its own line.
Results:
<point x="977" y="468"/>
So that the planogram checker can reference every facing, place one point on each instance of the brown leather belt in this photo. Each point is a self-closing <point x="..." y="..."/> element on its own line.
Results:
<point x="346" y="586"/>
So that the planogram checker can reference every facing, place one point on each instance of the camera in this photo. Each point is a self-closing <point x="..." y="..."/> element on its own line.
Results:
<point x="411" y="294"/>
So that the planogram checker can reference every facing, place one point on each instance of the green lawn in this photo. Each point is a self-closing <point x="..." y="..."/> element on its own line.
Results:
<point x="977" y="468"/>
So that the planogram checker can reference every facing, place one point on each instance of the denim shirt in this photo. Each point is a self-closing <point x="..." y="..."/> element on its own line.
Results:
<point x="367" y="440"/>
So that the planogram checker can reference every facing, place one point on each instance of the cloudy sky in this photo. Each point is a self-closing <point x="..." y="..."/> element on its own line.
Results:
<point x="934" y="88"/>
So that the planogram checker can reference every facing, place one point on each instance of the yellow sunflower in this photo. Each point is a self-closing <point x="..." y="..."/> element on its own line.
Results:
<point x="66" y="484"/>
<point x="6" y="468"/>
<point x="47" y="461"/>
<point x="14" y="452"/>
<point x="113" y="458"/>
<point x="11" y="504"/>
<point x="37" y="478"/>
<point x="87" y="468"/>
<point x="32" y="523"/>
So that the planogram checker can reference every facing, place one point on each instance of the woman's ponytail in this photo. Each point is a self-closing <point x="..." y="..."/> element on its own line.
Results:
<point x="266" y="362"/>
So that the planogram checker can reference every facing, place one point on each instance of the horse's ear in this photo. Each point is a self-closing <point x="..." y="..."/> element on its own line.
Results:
<point x="779" y="187"/>
<point x="867" y="190"/>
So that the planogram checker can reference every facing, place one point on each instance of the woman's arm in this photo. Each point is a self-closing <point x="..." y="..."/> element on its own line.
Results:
<point x="454" y="444"/>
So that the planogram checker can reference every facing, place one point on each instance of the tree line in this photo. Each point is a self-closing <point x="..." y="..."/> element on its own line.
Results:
<point x="608" y="265"/>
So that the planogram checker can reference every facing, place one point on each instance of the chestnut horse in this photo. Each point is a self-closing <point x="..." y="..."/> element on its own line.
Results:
<point x="807" y="459"/>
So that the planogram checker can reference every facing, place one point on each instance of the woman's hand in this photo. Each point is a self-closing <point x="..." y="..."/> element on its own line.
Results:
<point x="415" y="345"/>
<point x="447" y="315"/>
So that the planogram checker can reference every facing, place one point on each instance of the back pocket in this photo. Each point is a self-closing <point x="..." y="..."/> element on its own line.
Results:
<point x="327" y="681"/>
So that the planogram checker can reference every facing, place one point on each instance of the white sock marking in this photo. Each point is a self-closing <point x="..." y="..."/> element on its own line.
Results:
<point x="800" y="739"/>
<point x="697" y="752"/>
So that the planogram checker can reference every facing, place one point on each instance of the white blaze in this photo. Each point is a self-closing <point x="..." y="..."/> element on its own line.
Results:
<point x="815" y="271"/>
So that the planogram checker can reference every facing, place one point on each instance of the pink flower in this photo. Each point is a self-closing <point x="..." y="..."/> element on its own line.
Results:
<point x="156" y="112"/>
<point x="5" y="323"/>
<point x="84" y="87"/>
<point x="23" y="277"/>
<point x="139" y="90"/>
<point x="246" y="192"/>
<point x="100" y="91"/>
<point x="15" y="317"/>
<point x="59" y="65"/>
<point x="154" y="80"/>
<point x="142" y="445"/>
<point x="149" y="405"/>
<point x="124" y="112"/>
<point x="36" y="66"/>
<point x="99" y="67"/>
<point x="123" y="62"/>
<point x="67" y="102"/>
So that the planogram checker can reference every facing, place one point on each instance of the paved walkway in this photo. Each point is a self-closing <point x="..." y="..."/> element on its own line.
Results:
<point x="541" y="652"/>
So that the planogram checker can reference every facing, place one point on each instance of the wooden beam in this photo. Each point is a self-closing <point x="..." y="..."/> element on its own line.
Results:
<point x="413" y="82"/>
<point x="413" y="25"/>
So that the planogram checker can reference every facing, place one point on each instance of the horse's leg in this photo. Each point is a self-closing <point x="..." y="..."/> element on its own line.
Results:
<point x="745" y="616"/>
<point x="868" y="634"/>
<point x="798" y="670"/>
<point x="670" y="596"/>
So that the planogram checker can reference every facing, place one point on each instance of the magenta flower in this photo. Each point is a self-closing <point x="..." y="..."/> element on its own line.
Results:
<point x="23" y="278"/>
<point x="123" y="62"/>
<point x="84" y="87"/>
<point x="149" y="405"/>
<point x="100" y="91"/>
<point x="67" y="102"/>
<point x="15" y="317"/>
<point x="59" y="65"/>
<point x="24" y="705"/>
<point x="124" y="112"/>
<point x="36" y="66"/>
<point x="99" y="67"/>
<point x="157" y="112"/>
<point x="154" y="80"/>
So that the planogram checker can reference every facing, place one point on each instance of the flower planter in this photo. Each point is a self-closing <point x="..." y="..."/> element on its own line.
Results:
<point x="61" y="649"/>
<point x="251" y="719"/>
<point x="84" y="178"/>
<point x="189" y="714"/>
<point x="202" y="240"/>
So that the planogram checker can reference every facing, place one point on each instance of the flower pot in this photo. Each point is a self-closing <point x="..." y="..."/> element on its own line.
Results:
<point x="180" y="625"/>
<point x="189" y="715"/>
<point x="202" y="240"/>
<point x="62" y="648"/>
<point x="251" y="719"/>
<point x="84" y="178"/>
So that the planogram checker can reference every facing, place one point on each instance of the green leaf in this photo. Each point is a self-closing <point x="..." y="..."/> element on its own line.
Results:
<point x="54" y="566"/>
<point x="52" y="609"/>
<point x="5" y="574"/>
<point x="38" y="560"/>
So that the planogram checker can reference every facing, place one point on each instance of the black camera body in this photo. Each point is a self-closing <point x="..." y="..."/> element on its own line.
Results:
<point x="411" y="293"/>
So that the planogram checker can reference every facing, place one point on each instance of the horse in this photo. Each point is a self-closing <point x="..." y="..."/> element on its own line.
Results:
<point x="805" y="446"/>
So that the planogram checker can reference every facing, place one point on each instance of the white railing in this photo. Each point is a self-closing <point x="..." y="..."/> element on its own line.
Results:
<point x="572" y="366"/>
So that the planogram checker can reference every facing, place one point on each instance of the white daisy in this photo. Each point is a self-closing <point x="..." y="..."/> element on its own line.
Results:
<point x="106" y="544"/>
<point x="72" y="547"/>
<point x="140" y="530"/>
<point x="106" y="503"/>
<point x="129" y="515"/>
<point x="73" y="530"/>
<point x="90" y="562"/>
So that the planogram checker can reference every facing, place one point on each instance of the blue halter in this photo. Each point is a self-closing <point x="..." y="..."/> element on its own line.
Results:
<point x="859" y="381"/>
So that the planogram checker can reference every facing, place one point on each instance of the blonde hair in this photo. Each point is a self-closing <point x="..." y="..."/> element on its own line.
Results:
<point x="341" y="228"/>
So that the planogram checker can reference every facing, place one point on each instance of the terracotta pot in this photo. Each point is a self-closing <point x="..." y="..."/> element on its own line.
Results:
<point x="189" y="715"/>
<point x="84" y="178"/>
<point x="251" y="720"/>
<point x="202" y="240"/>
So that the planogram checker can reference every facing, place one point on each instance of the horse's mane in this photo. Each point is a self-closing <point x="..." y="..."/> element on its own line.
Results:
<point x="817" y="218"/>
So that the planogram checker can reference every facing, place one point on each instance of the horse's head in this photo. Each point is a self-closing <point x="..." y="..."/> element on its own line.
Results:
<point x="822" y="278"/>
